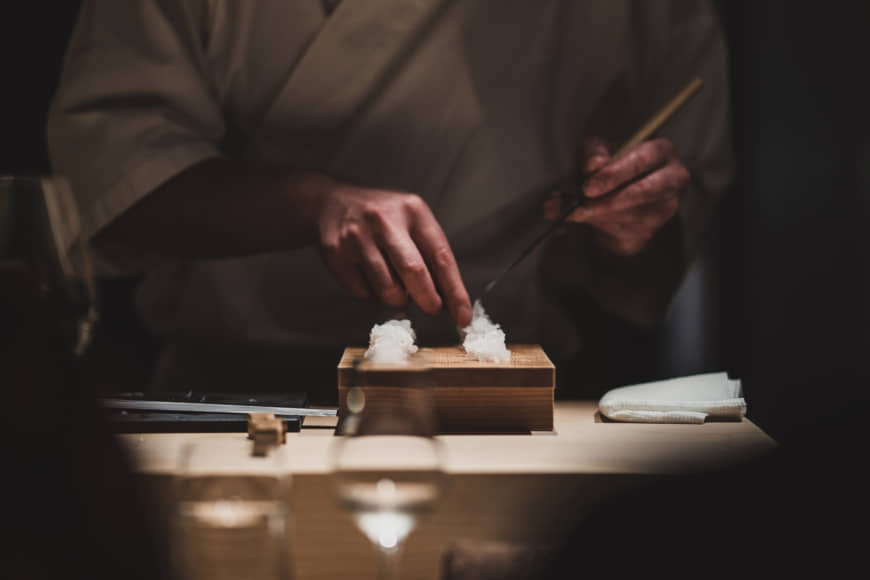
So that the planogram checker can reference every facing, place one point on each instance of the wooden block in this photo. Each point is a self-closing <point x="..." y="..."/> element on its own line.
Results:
<point x="266" y="430"/>
<point x="469" y="396"/>
<point x="259" y="421"/>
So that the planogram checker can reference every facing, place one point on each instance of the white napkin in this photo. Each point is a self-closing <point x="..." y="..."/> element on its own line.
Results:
<point x="681" y="400"/>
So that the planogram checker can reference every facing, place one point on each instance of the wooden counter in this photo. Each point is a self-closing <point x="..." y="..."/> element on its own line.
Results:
<point x="516" y="488"/>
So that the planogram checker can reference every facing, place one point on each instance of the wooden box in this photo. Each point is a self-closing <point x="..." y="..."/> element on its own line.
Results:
<point x="469" y="396"/>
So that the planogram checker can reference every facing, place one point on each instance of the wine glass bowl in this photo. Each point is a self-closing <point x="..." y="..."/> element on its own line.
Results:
<point x="387" y="463"/>
<point x="42" y="243"/>
<point x="386" y="498"/>
<point x="231" y="514"/>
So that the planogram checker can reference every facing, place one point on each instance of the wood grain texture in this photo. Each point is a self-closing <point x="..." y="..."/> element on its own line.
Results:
<point x="512" y="488"/>
<point x="476" y="409"/>
<point x="522" y="356"/>
<point x="470" y="396"/>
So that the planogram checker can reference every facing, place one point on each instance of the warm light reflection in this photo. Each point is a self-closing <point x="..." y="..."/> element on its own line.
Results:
<point x="386" y="528"/>
<point x="231" y="513"/>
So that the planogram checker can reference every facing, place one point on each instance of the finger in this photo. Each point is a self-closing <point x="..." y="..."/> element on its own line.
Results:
<point x="646" y="157"/>
<point x="392" y="293"/>
<point x="668" y="182"/>
<point x="555" y="205"/>
<point x="350" y="277"/>
<point x="393" y="236"/>
<point x="553" y="211"/>
<point x="346" y="271"/>
<point x="595" y="155"/>
<point x="357" y="283"/>
<point x="643" y="219"/>
<point x="376" y="270"/>
<point x="411" y="268"/>
<point x="432" y="241"/>
<point x="552" y="206"/>
<point x="632" y="231"/>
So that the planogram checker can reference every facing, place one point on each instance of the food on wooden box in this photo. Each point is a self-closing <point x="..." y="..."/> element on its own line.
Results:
<point x="391" y="342"/>
<point x="484" y="339"/>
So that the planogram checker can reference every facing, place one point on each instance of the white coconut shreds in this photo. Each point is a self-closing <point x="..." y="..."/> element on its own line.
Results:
<point x="484" y="339"/>
<point x="391" y="342"/>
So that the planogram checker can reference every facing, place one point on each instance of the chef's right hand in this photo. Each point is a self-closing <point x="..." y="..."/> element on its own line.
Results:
<point x="388" y="245"/>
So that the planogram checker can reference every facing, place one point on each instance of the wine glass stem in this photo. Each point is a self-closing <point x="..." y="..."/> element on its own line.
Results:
<point x="388" y="563"/>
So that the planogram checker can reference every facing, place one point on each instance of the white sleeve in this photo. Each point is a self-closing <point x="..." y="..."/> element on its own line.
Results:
<point x="133" y="107"/>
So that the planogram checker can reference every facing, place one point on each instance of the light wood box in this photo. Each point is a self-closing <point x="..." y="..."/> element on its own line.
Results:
<point x="469" y="396"/>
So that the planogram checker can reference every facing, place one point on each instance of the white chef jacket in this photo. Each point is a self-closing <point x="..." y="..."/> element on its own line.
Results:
<point x="477" y="106"/>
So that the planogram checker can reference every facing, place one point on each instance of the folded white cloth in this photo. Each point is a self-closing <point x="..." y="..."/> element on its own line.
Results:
<point x="681" y="400"/>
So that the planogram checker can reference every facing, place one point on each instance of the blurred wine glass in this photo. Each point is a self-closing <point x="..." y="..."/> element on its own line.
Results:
<point x="387" y="463"/>
<point x="232" y="512"/>
<point x="48" y="310"/>
<point x="42" y="247"/>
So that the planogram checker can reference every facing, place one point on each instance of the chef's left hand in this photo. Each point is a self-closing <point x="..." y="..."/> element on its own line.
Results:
<point x="630" y="197"/>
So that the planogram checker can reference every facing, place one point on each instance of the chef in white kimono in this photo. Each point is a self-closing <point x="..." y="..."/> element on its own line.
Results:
<point x="289" y="172"/>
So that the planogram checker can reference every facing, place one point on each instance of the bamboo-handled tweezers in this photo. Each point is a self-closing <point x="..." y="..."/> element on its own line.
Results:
<point x="642" y="134"/>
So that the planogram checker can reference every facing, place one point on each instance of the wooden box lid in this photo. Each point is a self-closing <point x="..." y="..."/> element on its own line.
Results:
<point x="450" y="366"/>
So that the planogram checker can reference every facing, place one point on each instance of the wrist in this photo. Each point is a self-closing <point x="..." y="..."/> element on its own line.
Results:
<point x="309" y="194"/>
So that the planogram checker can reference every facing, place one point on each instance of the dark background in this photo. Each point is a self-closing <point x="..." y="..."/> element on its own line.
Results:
<point x="785" y="289"/>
